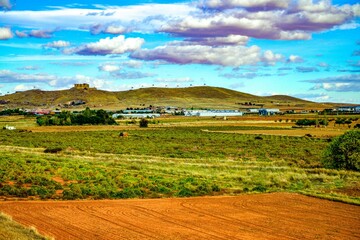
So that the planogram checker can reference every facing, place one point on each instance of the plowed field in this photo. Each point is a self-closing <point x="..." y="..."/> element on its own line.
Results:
<point x="263" y="216"/>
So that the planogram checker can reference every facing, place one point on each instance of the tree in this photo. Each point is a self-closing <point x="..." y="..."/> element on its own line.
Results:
<point x="144" y="123"/>
<point x="344" y="152"/>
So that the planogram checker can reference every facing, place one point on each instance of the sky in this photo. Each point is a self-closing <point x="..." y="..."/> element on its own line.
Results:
<point x="303" y="48"/>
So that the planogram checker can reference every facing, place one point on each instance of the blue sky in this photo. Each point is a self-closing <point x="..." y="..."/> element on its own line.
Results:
<point x="303" y="48"/>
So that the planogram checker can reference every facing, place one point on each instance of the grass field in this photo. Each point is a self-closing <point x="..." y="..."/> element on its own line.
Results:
<point x="165" y="160"/>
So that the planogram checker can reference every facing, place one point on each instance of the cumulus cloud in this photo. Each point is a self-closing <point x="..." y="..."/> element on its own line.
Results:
<point x="273" y="19"/>
<point x="344" y="83"/>
<point x="106" y="46"/>
<point x="109" y="68"/>
<point x="5" y="33"/>
<point x="34" y="34"/>
<point x="40" y="33"/>
<point x="115" y="29"/>
<point x="106" y="28"/>
<point x="57" y="44"/>
<point x="220" y="41"/>
<point x="295" y="59"/>
<point x="200" y="54"/>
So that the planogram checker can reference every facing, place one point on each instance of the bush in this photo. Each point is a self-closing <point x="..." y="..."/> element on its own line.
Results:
<point x="53" y="150"/>
<point x="344" y="152"/>
<point x="144" y="123"/>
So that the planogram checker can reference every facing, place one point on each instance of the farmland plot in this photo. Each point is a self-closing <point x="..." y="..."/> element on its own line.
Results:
<point x="260" y="216"/>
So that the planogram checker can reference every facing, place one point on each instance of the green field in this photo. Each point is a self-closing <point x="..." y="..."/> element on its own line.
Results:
<point x="169" y="161"/>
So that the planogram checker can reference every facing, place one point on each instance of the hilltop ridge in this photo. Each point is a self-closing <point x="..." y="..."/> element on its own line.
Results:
<point x="197" y="97"/>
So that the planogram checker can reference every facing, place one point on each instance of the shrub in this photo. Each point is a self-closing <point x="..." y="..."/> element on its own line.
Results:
<point x="53" y="150"/>
<point x="144" y="123"/>
<point x="344" y="152"/>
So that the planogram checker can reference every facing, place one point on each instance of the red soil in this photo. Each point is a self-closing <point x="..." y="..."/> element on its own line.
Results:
<point x="263" y="216"/>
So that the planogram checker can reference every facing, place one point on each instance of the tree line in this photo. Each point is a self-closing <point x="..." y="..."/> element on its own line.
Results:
<point x="86" y="117"/>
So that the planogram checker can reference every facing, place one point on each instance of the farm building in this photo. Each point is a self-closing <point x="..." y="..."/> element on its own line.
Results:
<point x="349" y="109"/>
<point x="138" y="111"/>
<point x="213" y="113"/>
<point x="253" y="110"/>
<point x="136" y="115"/>
<point x="268" y="111"/>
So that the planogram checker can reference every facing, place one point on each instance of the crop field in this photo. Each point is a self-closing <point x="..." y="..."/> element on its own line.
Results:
<point x="257" y="216"/>
<point x="169" y="159"/>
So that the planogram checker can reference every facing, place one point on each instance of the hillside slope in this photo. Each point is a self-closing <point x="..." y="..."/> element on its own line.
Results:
<point x="197" y="97"/>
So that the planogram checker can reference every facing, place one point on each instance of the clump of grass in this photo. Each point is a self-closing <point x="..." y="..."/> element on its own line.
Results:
<point x="10" y="229"/>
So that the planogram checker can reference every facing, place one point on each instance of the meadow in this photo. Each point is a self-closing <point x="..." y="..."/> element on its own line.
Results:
<point x="166" y="160"/>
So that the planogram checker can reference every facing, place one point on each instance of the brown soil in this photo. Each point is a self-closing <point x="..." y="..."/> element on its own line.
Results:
<point x="263" y="216"/>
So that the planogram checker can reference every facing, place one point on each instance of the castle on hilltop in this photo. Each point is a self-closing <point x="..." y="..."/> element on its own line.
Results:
<point x="83" y="86"/>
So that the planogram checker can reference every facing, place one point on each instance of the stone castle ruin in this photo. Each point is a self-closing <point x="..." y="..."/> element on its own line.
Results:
<point x="83" y="86"/>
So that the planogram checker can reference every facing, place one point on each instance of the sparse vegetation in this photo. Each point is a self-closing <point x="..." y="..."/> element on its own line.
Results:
<point x="164" y="162"/>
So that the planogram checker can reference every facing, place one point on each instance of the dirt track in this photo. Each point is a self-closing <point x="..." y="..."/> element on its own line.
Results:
<point x="263" y="216"/>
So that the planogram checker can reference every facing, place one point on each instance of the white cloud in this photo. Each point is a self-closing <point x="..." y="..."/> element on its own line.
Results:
<point x="344" y="83"/>
<point x="109" y="68"/>
<point x="270" y="58"/>
<point x="221" y="41"/>
<point x="202" y="54"/>
<point x="23" y="87"/>
<point x="24" y="80"/>
<point x="72" y="18"/>
<point x="5" y="33"/>
<point x="115" y="29"/>
<point x="106" y="46"/>
<point x="57" y="44"/>
<point x="295" y="59"/>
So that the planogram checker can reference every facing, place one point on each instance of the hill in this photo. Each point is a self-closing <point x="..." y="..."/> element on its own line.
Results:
<point x="197" y="97"/>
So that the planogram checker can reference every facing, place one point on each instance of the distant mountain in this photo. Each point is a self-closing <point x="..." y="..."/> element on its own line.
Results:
<point x="197" y="97"/>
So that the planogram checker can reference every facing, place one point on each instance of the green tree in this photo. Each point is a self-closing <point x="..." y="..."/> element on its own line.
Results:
<point x="344" y="152"/>
<point x="144" y="123"/>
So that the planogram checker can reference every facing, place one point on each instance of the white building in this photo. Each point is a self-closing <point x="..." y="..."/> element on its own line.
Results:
<point x="136" y="115"/>
<point x="213" y="113"/>
<point x="269" y="111"/>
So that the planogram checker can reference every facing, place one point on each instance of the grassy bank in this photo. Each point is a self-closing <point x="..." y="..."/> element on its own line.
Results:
<point x="12" y="230"/>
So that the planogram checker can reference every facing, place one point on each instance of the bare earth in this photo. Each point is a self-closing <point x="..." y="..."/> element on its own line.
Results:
<point x="262" y="216"/>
